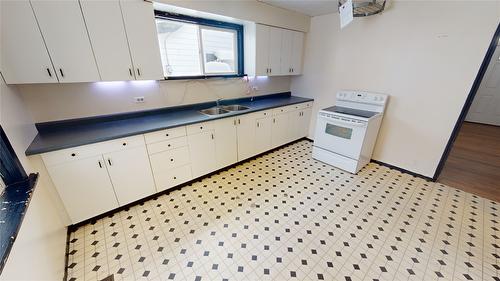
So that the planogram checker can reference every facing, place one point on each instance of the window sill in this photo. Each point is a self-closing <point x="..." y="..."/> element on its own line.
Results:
<point x="14" y="202"/>
<point x="204" y="77"/>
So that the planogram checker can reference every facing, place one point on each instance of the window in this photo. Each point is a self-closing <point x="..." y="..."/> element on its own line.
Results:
<point x="198" y="48"/>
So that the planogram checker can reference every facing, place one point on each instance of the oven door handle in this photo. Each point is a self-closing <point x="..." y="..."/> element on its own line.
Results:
<point x="341" y="122"/>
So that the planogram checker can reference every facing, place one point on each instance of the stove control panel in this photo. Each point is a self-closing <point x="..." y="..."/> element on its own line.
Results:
<point x="362" y="97"/>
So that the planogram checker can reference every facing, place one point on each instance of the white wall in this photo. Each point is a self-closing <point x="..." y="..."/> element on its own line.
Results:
<point x="250" y="10"/>
<point x="48" y="102"/>
<point x="38" y="253"/>
<point x="425" y="54"/>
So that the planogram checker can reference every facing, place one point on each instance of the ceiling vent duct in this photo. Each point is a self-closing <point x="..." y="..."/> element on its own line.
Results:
<point x="366" y="8"/>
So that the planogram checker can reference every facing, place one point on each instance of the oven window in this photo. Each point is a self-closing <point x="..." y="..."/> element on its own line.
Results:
<point x="338" y="131"/>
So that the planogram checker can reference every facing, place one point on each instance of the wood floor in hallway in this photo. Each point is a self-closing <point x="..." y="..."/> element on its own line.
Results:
<point x="474" y="161"/>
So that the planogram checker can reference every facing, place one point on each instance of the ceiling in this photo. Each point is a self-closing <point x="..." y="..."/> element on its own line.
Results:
<point x="309" y="7"/>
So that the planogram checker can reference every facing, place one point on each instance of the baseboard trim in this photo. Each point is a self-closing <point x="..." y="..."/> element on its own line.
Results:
<point x="74" y="227"/>
<point x="402" y="170"/>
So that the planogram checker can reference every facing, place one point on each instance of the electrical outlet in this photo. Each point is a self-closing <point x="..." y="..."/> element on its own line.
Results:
<point x="139" y="99"/>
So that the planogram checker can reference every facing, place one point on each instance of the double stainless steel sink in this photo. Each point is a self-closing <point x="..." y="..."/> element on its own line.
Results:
<point x="223" y="109"/>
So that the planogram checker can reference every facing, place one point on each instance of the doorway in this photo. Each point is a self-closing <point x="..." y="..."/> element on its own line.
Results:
<point x="471" y="161"/>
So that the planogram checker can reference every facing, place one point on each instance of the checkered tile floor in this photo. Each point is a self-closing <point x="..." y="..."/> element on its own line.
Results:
<point x="285" y="216"/>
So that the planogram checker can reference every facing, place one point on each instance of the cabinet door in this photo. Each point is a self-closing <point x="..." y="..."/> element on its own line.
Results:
<point x="286" y="52"/>
<point x="84" y="187"/>
<point x="226" y="144"/>
<point x="263" y="134"/>
<point x="130" y="173"/>
<point x="296" y="125"/>
<point x="297" y="52"/>
<point x="65" y="34"/>
<point x="305" y="122"/>
<point x="140" y="26"/>
<point x="280" y="131"/>
<point x="109" y="41"/>
<point x="275" y="36"/>
<point x="24" y="58"/>
<point x="261" y="50"/>
<point x="202" y="151"/>
<point x="246" y="136"/>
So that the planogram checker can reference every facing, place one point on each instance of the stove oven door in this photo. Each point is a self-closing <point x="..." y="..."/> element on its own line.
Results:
<point x="340" y="135"/>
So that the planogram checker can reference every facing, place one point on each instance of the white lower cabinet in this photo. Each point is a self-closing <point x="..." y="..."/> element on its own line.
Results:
<point x="96" y="178"/>
<point x="202" y="151"/>
<point x="130" y="173"/>
<point x="84" y="187"/>
<point x="280" y="129"/>
<point x="246" y="136"/>
<point x="171" y="167"/>
<point x="263" y="133"/>
<point x="226" y="143"/>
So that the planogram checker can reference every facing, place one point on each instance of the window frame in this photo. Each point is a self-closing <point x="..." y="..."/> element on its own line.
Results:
<point x="215" y="25"/>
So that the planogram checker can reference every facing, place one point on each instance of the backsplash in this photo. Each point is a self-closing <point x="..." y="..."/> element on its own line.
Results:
<point x="50" y="102"/>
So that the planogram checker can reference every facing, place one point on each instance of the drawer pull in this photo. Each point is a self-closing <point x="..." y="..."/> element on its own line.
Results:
<point x="201" y="127"/>
<point x="171" y="159"/>
<point x="124" y="144"/>
<point x="175" y="178"/>
<point x="73" y="154"/>
<point x="169" y="145"/>
<point x="166" y="134"/>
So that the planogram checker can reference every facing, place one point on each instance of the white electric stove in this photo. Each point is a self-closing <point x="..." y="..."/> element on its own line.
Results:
<point x="346" y="133"/>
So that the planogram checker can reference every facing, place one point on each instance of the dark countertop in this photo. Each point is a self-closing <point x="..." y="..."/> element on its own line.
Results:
<point x="75" y="132"/>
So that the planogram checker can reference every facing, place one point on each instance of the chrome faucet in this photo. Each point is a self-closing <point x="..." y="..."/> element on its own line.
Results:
<point x="217" y="102"/>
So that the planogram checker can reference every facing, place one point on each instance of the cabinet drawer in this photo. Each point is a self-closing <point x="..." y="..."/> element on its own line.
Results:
<point x="199" y="128"/>
<point x="173" y="177"/>
<point x="167" y="145"/>
<point x="283" y="109"/>
<point x="164" y="161"/>
<point x="165" y="134"/>
<point x="85" y="151"/>
<point x="263" y="114"/>
<point x="303" y="105"/>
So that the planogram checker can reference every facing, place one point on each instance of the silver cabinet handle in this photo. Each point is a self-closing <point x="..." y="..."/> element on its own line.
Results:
<point x="258" y="124"/>
<point x="130" y="72"/>
<point x="212" y="136"/>
<point x="109" y="162"/>
<point x="239" y="121"/>
<point x="61" y="71"/>
<point x="48" y="71"/>
<point x="234" y="122"/>
<point x="138" y="72"/>
<point x="100" y="165"/>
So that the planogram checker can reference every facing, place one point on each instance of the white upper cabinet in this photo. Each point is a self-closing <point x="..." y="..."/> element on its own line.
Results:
<point x="273" y="51"/>
<point x="139" y="19"/>
<point x="268" y="50"/>
<point x="275" y="38"/>
<point x="109" y="40"/>
<point x="261" y="49"/>
<point x="297" y="52"/>
<point x="291" y="52"/>
<point x="65" y="34"/>
<point x="286" y="52"/>
<point x="24" y="58"/>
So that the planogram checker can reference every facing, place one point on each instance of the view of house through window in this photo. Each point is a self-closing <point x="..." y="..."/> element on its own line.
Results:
<point x="189" y="49"/>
